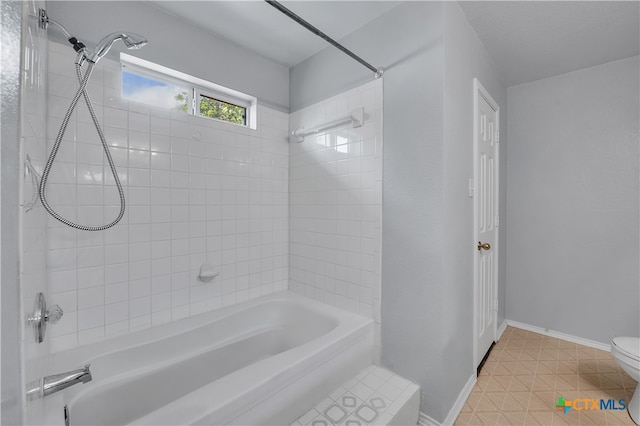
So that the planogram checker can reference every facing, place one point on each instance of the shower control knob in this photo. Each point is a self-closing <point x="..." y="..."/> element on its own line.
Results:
<point x="53" y="314"/>
<point x="40" y="316"/>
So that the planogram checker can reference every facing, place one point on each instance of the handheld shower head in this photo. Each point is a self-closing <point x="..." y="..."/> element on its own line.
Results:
<point x="130" y="40"/>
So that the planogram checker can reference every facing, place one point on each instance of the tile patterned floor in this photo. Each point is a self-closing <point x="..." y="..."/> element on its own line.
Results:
<point x="527" y="372"/>
<point x="373" y="397"/>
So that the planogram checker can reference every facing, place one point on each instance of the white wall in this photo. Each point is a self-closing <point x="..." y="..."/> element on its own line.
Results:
<point x="335" y="208"/>
<point x="408" y="42"/>
<point x="177" y="44"/>
<point x="430" y="55"/>
<point x="198" y="190"/>
<point x="465" y="58"/>
<point x="330" y="72"/>
<point x="573" y="202"/>
<point x="412" y="234"/>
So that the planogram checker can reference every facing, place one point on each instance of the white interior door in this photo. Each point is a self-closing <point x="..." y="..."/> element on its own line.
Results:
<point x="485" y="248"/>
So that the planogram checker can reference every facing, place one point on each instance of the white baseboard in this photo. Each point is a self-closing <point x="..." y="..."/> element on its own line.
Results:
<point x="462" y="399"/>
<point x="561" y="336"/>
<point x="426" y="420"/>
<point x="501" y="329"/>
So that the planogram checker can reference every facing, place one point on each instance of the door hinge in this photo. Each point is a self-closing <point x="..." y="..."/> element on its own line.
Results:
<point x="497" y="221"/>
<point x="495" y="305"/>
<point x="471" y="187"/>
<point x="497" y="136"/>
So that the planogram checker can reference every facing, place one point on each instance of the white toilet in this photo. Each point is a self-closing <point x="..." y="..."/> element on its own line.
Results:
<point x="626" y="352"/>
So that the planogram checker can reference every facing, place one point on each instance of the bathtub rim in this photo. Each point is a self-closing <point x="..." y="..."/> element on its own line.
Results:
<point x="351" y="327"/>
<point x="202" y="347"/>
<point x="260" y="382"/>
<point x="73" y="357"/>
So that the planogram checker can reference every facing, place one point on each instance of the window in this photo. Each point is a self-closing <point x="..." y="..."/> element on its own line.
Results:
<point x="213" y="107"/>
<point x="151" y="91"/>
<point x="159" y="86"/>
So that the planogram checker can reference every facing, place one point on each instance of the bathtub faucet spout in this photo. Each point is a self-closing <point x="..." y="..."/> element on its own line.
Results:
<point x="57" y="382"/>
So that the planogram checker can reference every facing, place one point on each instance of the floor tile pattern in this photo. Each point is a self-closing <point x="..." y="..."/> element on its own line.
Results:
<point x="527" y="372"/>
<point x="373" y="397"/>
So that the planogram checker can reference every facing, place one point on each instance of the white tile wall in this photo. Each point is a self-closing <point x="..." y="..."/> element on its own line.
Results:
<point x="197" y="191"/>
<point x="335" y="190"/>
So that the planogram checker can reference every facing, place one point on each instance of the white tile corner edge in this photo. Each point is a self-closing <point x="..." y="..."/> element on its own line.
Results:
<point x="426" y="420"/>
<point x="409" y="414"/>
<point x="559" y="335"/>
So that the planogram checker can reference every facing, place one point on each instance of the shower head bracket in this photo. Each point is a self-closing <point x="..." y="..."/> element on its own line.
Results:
<point x="43" y="19"/>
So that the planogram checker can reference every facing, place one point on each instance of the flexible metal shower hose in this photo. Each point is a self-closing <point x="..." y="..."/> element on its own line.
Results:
<point x="83" y="80"/>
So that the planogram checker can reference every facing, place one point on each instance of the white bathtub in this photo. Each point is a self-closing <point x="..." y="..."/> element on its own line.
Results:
<point x="265" y="361"/>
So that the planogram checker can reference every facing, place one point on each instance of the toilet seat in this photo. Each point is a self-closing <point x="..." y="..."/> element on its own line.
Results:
<point x="628" y="346"/>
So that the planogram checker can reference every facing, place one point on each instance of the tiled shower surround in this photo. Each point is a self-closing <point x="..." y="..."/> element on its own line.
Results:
<point x="197" y="190"/>
<point x="335" y="190"/>
<point x="266" y="213"/>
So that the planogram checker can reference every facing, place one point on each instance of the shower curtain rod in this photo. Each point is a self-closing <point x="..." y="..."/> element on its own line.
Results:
<point x="378" y="71"/>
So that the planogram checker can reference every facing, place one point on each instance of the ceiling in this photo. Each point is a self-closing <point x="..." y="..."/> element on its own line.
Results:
<point x="259" y="27"/>
<point x="528" y="40"/>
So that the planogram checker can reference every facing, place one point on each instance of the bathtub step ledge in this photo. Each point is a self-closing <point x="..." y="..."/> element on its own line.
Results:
<point x="375" y="396"/>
